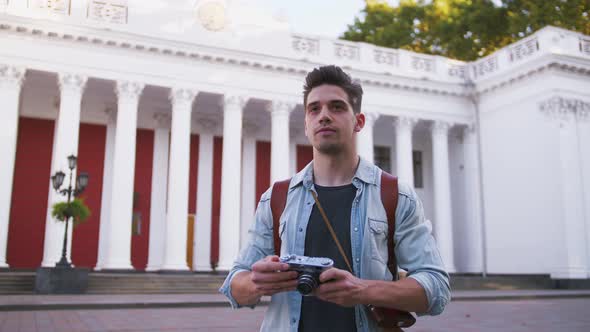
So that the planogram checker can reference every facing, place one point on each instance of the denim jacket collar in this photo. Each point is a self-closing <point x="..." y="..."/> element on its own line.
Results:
<point x="365" y="172"/>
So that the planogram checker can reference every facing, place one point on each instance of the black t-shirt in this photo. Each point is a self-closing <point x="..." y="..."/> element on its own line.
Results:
<point x="318" y="315"/>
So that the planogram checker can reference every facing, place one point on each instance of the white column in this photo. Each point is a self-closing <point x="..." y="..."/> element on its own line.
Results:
<point x="229" y="219"/>
<point x="159" y="192"/>
<point x="65" y="143"/>
<point x="279" y="145"/>
<point x="293" y="151"/>
<point x="177" y="212"/>
<point x="473" y="225"/>
<point x="248" y="182"/>
<point x="443" y="224"/>
<point x="574" y="261"/>
<point x="107" y="183"/>
<point x="584" y="141"/>
<point x="403" y="143"/>
<point x="11" y="79"/>
<point x="202" y="246"/>
<point x="365" y="146"/>
<point x="118" y="253"/>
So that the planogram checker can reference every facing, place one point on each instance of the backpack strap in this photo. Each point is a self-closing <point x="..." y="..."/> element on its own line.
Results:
<point x="278" y="200"/>
<point x="389" y="195"/>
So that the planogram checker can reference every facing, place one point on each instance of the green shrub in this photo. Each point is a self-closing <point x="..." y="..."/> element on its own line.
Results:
<point x="76" y="209"/>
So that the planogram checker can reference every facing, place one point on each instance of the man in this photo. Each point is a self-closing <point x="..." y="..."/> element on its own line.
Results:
<point x="348" y="189"/>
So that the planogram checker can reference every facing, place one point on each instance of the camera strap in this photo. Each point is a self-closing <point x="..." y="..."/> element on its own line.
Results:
<point x="317" y="202"/>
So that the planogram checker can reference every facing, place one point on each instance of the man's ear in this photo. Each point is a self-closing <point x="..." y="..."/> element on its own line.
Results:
<point x="360" y="122"/>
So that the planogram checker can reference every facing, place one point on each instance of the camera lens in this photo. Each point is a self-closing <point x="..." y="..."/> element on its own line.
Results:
<point x="306" y="284"/>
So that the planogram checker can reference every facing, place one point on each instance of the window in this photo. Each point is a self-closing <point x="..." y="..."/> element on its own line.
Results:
<point x="418" y="169"/>
<point x="381" y="154"/>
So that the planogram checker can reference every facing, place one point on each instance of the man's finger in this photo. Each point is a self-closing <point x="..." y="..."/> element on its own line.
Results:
<point x="272" y="277"/>
<point x="268" y="266"/>
<point x="332" y="274"/>
<point x="291" y="284"/>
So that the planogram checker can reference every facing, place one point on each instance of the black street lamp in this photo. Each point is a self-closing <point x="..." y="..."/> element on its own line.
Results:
<point x="81" y="182"/>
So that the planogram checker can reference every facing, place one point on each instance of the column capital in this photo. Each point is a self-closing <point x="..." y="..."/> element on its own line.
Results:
<point x="162" y="120"/>
<point x="128" y="89"/>
<point x="440" y="127"/>
<point x="72" y="82"/>
<point x="281" y="107"/>
<point x="565" y="109"/>
<point x="110" y="110"/>
<point x="207" y="124"/>
<point x="404" y="122"/>
<point x="371" y="117"/>
<point x="233" y="102"/>
<point x="182" y="95"/>
<point x="250" y="128"/>
<point x="11" y="76"/>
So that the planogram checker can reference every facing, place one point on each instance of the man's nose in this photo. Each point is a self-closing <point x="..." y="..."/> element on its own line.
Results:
<point x="325" y="115"/>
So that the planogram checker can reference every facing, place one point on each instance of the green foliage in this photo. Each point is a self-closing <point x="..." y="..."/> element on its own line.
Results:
<point x="76" y="209"/>
<point x="462" y="29"/>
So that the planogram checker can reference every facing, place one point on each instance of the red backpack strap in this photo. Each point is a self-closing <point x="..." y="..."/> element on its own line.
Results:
<point x="389" y="195"/>
<point x="278" y="200"/>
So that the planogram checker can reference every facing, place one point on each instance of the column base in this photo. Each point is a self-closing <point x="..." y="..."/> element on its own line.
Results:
<point x="203" y="268"/>
<point x="153" y="268"/>
<point x="174" y="267"/>
<point x="3" y="265"/>
<point x="117" y="267"/>
<point x="570" y="273"/>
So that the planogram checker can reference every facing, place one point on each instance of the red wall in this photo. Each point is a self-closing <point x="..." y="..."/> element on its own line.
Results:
<point x="193" y="174"/>
<point x="216" y="206"/>
<point x="262" y="169"/>
<point x="91" y="153"/>
<point x="304" y="156"/>
<point x="29" y="193"/>
<point x="144" y="152"/>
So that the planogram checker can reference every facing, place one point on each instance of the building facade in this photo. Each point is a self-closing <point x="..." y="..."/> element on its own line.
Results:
<point x="183" y="115"/>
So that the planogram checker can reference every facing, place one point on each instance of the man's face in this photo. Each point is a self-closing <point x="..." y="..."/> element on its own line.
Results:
<point x="330" y="122"/>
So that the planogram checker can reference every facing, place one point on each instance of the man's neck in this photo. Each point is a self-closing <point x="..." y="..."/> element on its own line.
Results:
<point x="334" y="170"/>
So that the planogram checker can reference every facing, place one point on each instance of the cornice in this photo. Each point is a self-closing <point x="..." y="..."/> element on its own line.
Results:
<point x="52" y="31"/>
<point x="501" y="69"/>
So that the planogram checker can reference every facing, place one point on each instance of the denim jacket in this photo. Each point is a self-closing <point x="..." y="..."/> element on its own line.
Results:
<point x="415" y="248"/>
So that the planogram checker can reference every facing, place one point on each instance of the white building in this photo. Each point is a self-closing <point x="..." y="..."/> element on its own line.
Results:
<point x="171" y="110"/>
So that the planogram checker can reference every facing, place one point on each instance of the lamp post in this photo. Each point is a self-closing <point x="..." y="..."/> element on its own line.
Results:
<point x="81" y="182"/>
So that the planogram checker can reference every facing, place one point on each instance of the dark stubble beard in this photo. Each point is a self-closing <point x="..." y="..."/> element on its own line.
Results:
<point x="331" y="149"/>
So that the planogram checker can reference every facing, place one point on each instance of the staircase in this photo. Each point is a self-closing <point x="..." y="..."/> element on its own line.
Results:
<point x="123" y="283"/>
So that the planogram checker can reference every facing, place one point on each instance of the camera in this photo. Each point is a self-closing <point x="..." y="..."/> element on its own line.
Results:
<point x="309" y="270"/>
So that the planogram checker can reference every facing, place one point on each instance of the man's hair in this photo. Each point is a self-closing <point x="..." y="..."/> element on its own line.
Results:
<point x="334" y="75"/>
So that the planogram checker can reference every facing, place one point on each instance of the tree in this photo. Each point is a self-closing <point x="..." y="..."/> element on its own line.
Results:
<point x="462" y="29"/>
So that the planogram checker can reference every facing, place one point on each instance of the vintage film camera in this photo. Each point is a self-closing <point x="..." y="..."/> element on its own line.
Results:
<point x="309" y="269"/>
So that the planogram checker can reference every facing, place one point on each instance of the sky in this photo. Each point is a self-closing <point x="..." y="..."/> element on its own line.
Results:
<point x="327" y="18"/>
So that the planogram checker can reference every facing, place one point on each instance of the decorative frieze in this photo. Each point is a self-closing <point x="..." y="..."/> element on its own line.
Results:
<point x="305" y="45"/>
<point x="11" y="76"/>
<point x="111" y="11"/>
<point x="53" y="6"/>
<point x="585" y="45"/>
<point x="485" y="66"/>
<point x="345" y="51"/>
<point x="523" y="49"/>
<point x="565" y="109"/>
<point x="384" y="57"/>
<point x="423" y="64"/>
<point x="459" y="71"/>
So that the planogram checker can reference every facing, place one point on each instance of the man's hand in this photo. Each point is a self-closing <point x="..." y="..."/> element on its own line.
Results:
<point x="341" y="287"/>
<point x="269" y="276"/>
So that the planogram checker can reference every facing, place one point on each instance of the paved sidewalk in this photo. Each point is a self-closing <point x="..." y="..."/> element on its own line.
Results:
<point x="139" y="301"/>
<point x="532" y="315"/>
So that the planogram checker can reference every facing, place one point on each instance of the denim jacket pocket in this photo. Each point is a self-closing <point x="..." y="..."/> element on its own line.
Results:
<point x="378" y="239"/>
